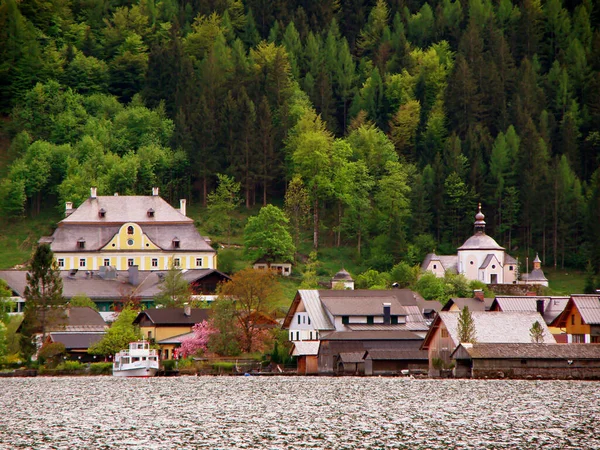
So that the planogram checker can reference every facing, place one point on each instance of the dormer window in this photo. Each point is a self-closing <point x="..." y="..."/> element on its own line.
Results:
<point x="102" y="213"/>
<point x="151" y="212"/>
<point x="129" y="229"/>
<point x="81" y="243"/>
<point x="175" y="243"/>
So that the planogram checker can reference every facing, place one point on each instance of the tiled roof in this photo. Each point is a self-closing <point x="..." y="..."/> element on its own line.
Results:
<point x="173" y="316"/>
<point x="448" y="262"/>
<point x="394" y="355"/>
<point x="96" y="236"/>
<point x="125" y="208"/>
<point x="73" y="341"/>
<point x="532" y="351"/>
<point x="494" y="327"/>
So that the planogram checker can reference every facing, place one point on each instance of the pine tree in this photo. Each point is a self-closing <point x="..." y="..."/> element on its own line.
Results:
<point x="44" y="303"/>
<point x="537" y="333"/>
<point x="466" y="327"/>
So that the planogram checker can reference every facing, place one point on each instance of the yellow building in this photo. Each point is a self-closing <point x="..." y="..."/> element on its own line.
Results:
<point x="125" y="231"/>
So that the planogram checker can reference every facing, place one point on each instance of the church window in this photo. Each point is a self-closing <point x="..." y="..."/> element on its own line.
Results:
<point x="510" y="268"/>
<point x="435" y="266"/>
<point x="471" y="262"/>
<point x="493" y="266"/>
<point x="129" y="229"/>
<point x="129" y="241"/>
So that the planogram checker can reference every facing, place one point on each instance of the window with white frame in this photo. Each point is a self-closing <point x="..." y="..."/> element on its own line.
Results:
<point x="130" y="262"/>
<point x="177" y="262"/>
<point x="61" y="262"/>
<point x="106" y="261"/>
<point x="82" y="262"/>
<point x="154" y="262"/>
<point x="198" y="262"/>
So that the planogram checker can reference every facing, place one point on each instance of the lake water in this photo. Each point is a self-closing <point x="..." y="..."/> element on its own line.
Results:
<point x="296" y="412"/>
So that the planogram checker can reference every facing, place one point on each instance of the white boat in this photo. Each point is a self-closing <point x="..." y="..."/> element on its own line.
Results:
<point x="138" y="361"/>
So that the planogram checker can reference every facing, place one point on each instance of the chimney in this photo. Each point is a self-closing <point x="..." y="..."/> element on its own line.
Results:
<point x="134" y="275"/>
<point x="478" y="294"/>
<point x="68" y="208"/>
<point x="182" y="203"/>
<point x="187" y="309"/>
<point x="387" y="313"/>
<point x="539" y="304"/>
<point x="93" y="192"/>
<point x="154" y="191"/>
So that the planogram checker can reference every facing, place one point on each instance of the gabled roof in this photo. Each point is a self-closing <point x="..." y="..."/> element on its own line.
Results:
<point x="509" y="259"/>
<point x="529" y="351"/>
<point x="448" y="262"/>
<point x="352" y="357"/>
<point x="553" y="306"/>
<point x="312" y="304"/>
<point x="492" y="327"/>
<point x="80" y="318"/>
<point x="173" y="316"/>
<point x="121" y="209"/>
<point x="488" y="260"/>
<point x="587" y="305"/>
<point x="474" y="304"/>
<point x="305" y="348"/>
<point x="76" y="341"/>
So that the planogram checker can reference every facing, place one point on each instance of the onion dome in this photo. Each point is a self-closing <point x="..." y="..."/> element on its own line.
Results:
<point x="342" y="275"/>
<point x="479" y="222"/>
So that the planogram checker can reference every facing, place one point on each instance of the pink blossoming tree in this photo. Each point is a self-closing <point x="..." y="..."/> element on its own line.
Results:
<point x="198" y="342"/>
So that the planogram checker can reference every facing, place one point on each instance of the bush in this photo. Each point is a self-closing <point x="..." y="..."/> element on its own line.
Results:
<point x="101" y="368"/>
<point x="70" y="366"/>
<point x="51" y="354"/>
<point x="169" y="364"/>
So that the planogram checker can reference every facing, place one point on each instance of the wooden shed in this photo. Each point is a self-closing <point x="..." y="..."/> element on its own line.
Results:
<point x="393" y="362"/>
<point x="549" y="361"/>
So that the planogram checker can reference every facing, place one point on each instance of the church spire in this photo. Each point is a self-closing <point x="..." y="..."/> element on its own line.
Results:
<point x="479" y="222"/>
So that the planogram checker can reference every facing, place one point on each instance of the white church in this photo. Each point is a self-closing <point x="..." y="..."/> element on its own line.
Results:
<point x="479" y="258"/>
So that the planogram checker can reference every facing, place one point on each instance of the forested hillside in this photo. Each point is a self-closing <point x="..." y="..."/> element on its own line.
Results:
<point x="395" y="117"/>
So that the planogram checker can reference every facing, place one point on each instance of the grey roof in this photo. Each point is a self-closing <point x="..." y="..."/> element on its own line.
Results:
<point x="488" y="260"/>
<point x="509" y="259"/>
<point x="388" y="335"/>
<point x="305" y="348"/>
<point x="73" y="341"/>
<point x="342" y="275"/>
<point x="176" y="339"/>
<point x="553" y="306"/>
<point x="97" y="288"/>
<point x="531" y="351"/>
<point x="125" y="208"/>
<point x="173" y="316"/>
<point x="395" y="355"/>
<point x="480" y="241"/>
<point x="354" y="305"/>
<point x="84" y="318"/>
<point x="474" y="304"/>
<point x="497" y="327"/>
<point x="314" y="308"/>
<point x="352" y="357"/>
<point x="589" y="308"/>
<point x="448" y="262"/>
<point x="534" y="275"/>
<point x="98" y="235"/>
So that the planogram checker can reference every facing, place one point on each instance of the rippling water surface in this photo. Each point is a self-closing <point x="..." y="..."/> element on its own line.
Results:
<point x="295" y="412"/>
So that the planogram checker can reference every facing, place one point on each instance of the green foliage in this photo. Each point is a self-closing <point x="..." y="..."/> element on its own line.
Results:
<point x="266" y="236"/>
<point x="83" y="300"/>
<point x="174" y="290"/>
<point x="431" y="287"/>
<point x="51" y="354"/>
<point x="405" y="275"/>
<point x="119" y="335"/>
<point x="221" y="204"/>
<point x="537" y="333"/>
<point x="101" y="368"/>
<point x="372" y="279"/>
<point x="309" y="276"/>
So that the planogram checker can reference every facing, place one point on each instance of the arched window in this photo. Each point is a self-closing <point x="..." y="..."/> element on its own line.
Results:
<point x="129" y="229"/>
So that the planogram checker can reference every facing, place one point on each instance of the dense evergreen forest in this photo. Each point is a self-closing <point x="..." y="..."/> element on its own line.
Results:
<point x="392" y="119"/>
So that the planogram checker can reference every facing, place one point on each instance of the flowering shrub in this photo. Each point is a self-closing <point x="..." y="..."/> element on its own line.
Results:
<point x="197" y="343"/>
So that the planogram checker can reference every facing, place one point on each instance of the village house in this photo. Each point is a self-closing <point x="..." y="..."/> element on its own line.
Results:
<point x="339" y="319"/>
<point x="490" y="327"/>
<point x="476" y="303"/>
<point x="580" y="319"/>
<point x="167" y="326"/>
<point x="128" y="230"/>
<point x="528" y="360"/>
<point x="282" y="268"/>
<point x="548" y="307"/>
<point x="109" y="287"/>
<point x="78" y="328"/>
<point x="479" y="258"/>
